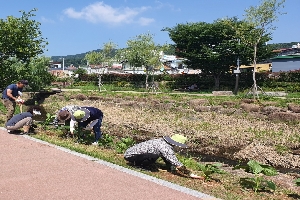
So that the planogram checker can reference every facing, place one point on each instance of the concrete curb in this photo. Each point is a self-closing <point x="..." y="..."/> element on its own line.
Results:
<point x="129" y="171"/>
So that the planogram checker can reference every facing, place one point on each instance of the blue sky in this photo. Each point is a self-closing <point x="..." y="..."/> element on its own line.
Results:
<point x="78" y="26"/>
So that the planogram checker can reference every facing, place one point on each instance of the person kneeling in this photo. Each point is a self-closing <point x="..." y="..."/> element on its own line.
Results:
<point x="146" y="153"/>
<point x="23" y="120"/>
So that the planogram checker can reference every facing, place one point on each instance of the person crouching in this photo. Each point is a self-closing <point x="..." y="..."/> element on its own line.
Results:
<point x="23" y="120"/>
<point x="146" y="153"/>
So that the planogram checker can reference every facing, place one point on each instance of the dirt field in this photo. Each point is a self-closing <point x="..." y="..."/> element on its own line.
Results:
<point x="226" y="131"/>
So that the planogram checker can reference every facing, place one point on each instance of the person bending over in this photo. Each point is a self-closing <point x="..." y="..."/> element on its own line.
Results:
<point x="146" y="153"/>
<point x="89" y="118"/>
<point x="10" y="97"/>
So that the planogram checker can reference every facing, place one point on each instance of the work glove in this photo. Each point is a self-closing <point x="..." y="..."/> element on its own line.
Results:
<point x="20" y="101"/>
<point x="55" y="123"/>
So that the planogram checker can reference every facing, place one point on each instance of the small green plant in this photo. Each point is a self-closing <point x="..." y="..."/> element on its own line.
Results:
<point x="47" y="121"/>
<point x="209" y="169"/>
<point x="124" y="144"/>
<point x="255" y="167"/>
<point x="257" y="182"/>
<point x="106" y="140"/>
<point x="188" y="161"/>
<point x="297" y="181"/>
<point x="80" y="133"/>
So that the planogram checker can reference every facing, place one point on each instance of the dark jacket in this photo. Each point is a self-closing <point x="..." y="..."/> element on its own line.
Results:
<point x="15" y="119"/>
<point x="95" y="113"/>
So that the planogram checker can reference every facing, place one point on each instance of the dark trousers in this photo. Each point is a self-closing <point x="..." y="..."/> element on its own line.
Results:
<point x="96" y="128"/>
<point x="143" y="159"/>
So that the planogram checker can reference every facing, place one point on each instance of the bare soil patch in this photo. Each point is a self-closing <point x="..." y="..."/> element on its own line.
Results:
<point x="218" y="131"/>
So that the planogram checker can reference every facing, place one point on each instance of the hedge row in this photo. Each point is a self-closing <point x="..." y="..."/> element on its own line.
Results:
<point x="287" y="81"/>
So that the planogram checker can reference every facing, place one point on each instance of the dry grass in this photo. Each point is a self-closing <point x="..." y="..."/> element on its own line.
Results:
<point x="235" y="130"/>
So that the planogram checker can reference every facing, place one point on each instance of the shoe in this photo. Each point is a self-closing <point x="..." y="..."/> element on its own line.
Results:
<point x="95" y="143"/>
<point x="11" y="132"/>
<point x="24" y="133"/>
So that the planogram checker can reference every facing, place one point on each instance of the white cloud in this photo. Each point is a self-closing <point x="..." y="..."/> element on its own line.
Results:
<point x="145" y="21"/>
<point x="100" y="12"/>
<point x="45" y="20"/>
<point x="168" y="6"/>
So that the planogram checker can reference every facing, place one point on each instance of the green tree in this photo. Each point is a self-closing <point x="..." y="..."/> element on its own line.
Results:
<point x="36" y="72"/>
<point x="108" y="53"/>
<point x="20" y="41"/>
<point x="94" y="58"/>
<point x="244" y="51"/>
<point x="261" y="18"/>
<point x="105" y="56"/>
<point x="142" y="51"/>
<point x="210" y="47"/>
<point x="213" y="47"/>
<point x="80" y="72"/>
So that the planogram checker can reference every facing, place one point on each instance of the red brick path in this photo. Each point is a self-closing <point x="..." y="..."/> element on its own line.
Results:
<point x="34" y="170"/>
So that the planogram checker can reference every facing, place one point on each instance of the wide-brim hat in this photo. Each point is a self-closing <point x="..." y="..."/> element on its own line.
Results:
<point x="177" y="140"/>
<point x="80" y="115"/>
<point x="64" y="115"/>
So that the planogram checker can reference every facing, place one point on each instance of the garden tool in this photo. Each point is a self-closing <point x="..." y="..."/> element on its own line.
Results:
<point x="20" y="103"/>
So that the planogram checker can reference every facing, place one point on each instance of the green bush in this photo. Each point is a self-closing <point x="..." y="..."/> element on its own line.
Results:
<point x="288" y="81"/>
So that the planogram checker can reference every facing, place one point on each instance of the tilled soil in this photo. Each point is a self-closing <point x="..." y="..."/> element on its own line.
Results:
<point x="226" y="131"/>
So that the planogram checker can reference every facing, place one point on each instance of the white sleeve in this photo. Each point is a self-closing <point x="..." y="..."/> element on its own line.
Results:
<point x="72" y="125"/>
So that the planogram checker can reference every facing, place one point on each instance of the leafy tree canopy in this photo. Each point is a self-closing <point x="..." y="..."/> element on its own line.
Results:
<point x="142" y="51"/>
<point x="21" y="37"/>
<point x="212" y="47"/>
<point x="21" y="43"/>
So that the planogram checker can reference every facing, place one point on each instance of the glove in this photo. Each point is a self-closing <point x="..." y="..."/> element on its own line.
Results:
<point x="55" y="123"/>
<point x="21" y="101"/>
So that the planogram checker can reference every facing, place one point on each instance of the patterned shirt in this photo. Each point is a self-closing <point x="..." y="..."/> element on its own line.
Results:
<point x="155" y="146"/>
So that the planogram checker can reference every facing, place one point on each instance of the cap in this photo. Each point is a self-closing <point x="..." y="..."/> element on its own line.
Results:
<point x="25" y="82"/>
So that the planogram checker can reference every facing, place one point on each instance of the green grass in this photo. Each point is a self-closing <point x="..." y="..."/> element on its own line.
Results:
<point x="110" y="154"/>
<point x="224" y="185"/>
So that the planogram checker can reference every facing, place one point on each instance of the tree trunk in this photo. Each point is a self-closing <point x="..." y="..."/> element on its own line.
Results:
<point x="146" y="83"/>
<point x="99" y="82"/>
<point x="236" y="88"/>
<point x="254" y="87"/>
<point x="217" y="81"/>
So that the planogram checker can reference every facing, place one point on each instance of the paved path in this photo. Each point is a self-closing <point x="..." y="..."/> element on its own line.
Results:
<point x="35" y="170"/>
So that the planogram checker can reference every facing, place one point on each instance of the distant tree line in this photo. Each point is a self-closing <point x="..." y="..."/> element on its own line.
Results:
<point x="78" y="59"/>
